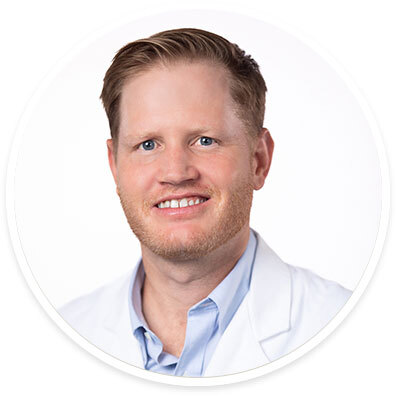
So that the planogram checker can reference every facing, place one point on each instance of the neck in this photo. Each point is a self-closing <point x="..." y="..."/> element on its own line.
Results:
<point x="171" y="289"/>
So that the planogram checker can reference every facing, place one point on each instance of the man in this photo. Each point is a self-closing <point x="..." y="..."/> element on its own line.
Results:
<point x="188" y="148"/>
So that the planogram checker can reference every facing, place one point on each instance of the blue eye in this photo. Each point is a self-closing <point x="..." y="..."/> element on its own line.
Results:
<point x="148" y="145"/>
<point x="205" y="141"/>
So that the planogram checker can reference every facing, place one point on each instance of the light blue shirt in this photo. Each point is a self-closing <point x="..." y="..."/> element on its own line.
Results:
<point x="206" y="320"/>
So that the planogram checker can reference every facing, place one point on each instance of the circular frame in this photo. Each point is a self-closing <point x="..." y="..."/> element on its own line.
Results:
<point x="204" y="381"/>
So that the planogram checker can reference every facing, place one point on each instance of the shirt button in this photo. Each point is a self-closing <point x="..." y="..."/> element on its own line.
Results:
<point x="147" y="335"/>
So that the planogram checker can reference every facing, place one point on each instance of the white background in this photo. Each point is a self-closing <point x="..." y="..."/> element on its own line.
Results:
<point x="37" y="357"/>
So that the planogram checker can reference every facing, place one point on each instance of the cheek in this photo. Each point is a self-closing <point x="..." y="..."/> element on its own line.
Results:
<point x="225" y="173"/>
<point x="135" y="179"/>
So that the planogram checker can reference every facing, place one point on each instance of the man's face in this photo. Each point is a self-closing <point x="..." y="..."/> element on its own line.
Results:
<point x="184" y="170"/>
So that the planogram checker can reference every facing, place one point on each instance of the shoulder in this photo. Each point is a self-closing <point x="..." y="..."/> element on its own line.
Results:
<point x="92" y="310"/>
<point x="288" y="305"/>
<point x="299" y="296"/>
<point x="303" y="283"/>
<point x="315" y="296"/>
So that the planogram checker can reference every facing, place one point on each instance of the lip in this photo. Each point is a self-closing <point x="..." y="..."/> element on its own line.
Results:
<point x="180" y="196"/>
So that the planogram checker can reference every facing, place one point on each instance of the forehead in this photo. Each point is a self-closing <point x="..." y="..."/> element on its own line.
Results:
<point x="194" y="94"/>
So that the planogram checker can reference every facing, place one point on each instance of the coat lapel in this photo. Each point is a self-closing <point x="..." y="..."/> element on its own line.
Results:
<point x="121" y="341"/>
<point x="263" y="315"/>
<point x="238" y="349"/>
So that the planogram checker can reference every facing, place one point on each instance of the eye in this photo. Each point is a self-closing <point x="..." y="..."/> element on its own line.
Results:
<point x="206" y="141"/>
<point x="147" y="145"/>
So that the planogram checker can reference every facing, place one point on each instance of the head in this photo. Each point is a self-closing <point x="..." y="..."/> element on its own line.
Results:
<point x="186" y="110"/>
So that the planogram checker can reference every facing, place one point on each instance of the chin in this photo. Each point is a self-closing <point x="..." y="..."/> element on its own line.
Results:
<point x="180" y="244"/>
<point x="184" y="244"/>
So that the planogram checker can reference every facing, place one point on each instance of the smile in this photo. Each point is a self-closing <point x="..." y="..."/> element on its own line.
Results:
<point x="181" y="203"/>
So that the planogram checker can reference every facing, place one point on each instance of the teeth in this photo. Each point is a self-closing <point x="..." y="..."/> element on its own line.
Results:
<point x="183" y="203"/>
<point x="174" y="203"/>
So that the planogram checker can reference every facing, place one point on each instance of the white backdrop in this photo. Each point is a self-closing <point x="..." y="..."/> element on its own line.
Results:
<point x="35" y="350"/>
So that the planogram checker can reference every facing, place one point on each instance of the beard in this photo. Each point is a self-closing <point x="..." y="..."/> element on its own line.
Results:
<point x="230" y="215"/>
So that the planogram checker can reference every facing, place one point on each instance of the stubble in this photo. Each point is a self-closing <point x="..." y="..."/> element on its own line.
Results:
<point x="231" y="215"/>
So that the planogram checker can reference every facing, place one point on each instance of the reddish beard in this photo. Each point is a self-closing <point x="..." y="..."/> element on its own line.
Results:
<point x="231" y="215"/>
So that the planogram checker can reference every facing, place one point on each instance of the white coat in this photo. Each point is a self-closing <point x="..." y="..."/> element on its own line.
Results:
<point x="284" y="307"/>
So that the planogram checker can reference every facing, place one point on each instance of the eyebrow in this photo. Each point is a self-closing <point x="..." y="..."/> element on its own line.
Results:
<point x="129" y="139"/>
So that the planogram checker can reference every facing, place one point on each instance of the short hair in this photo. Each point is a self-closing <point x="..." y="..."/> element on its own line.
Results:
<point x="247" y="85"/>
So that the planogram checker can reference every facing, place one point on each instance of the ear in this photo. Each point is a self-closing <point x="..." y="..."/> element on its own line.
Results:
<point x="111" y="155"/>
<point x="262" y="157"/>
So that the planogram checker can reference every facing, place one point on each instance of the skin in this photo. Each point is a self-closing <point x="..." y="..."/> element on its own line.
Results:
<point x="186" y="253"/>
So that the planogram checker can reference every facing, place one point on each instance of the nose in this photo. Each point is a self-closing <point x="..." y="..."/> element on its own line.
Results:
<point x="177" y="166"/>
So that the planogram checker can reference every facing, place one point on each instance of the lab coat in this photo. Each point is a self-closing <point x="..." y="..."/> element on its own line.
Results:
<point x="284" y="307"/>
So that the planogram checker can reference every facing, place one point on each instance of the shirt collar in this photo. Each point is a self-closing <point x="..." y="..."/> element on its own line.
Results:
<point x="227" y="295"/>
<point x="230" y="292"/>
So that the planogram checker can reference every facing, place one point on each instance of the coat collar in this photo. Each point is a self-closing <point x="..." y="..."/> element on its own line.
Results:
<point x="270" y="294"/>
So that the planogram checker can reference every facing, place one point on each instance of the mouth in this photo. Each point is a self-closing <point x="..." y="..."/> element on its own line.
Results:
<point x="186" y="201"/>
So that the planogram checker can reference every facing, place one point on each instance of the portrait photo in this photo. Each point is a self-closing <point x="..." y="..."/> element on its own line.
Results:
<point x="197" y="194"/>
